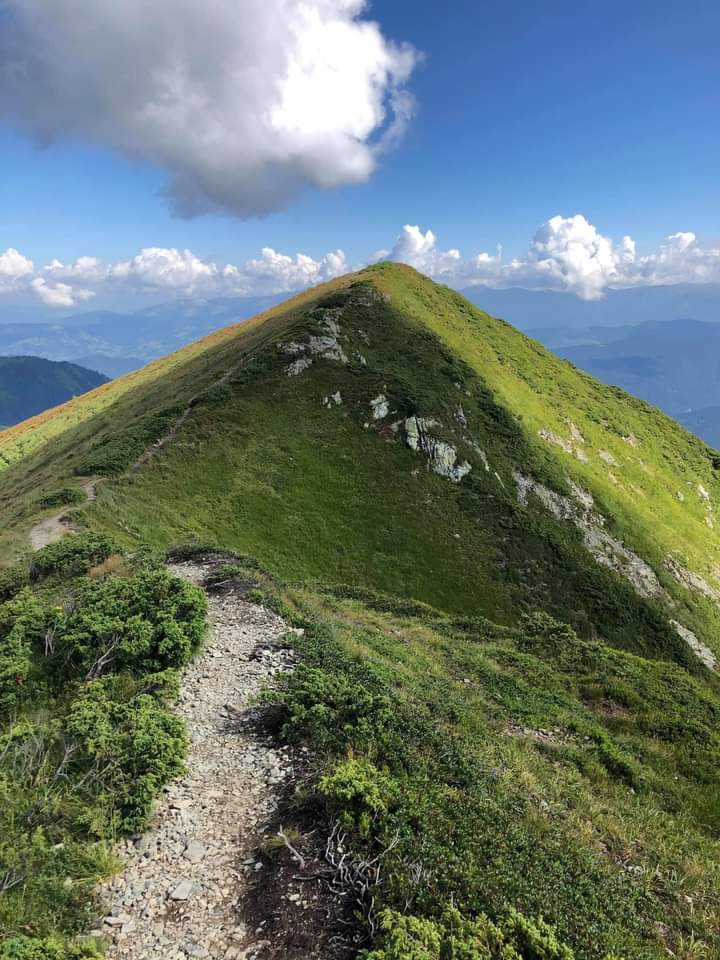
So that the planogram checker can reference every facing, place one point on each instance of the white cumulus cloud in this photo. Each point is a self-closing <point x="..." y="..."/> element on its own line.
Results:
<point x="243" y="103"/>
<point x="59" y="294"/>
<point x="165" y="272"/>
<point x="421" y="251"/>
<point x="13" y="266"/>
<point x="568" y="254"/>
<point x="165" y="268"/>
<point x="273" y="272"/>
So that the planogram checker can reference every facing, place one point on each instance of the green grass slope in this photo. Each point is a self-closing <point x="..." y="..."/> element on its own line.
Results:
<point x="380" y="438"/>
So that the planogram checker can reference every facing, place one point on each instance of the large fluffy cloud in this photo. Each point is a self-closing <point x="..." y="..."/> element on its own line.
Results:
<point x="566" y="254"/>
<point x="59" y="294"/>
<point x="273" y="271"/>
<point x="13" y="266"/>
<point x="244" y="104"/>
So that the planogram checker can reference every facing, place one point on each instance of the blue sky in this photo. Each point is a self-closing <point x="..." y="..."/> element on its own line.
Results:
<point x="523" y="112"/>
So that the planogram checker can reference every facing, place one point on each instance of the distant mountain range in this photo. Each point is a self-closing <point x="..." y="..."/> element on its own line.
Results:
<point x="115" y="343"/>
<point x="29" y="385"/>
<point x="533" y="310"/>
<point x="704" y="423"/>
<point x="661" y="344"/>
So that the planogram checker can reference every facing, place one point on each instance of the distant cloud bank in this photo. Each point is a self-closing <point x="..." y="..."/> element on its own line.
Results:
<point x="243" y="104"/>
<point x="566" y="254"/>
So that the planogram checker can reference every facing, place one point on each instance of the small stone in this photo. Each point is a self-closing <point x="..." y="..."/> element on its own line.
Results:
<point x="194" y="851"/>
<point x="142" y="843"/>
<point x="196" y="950"/>
<point x="182" y="891"/>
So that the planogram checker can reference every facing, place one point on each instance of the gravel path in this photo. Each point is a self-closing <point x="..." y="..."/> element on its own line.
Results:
<point x="184" y="880"/>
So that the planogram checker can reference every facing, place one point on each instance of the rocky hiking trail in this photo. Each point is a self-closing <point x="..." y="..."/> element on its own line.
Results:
<point x="213" y="877"/>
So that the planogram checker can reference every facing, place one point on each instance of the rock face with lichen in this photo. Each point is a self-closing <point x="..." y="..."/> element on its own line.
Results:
<point x="441" y="456"/>
<point x="325" y="344"/>
<point x="607" y="550"/>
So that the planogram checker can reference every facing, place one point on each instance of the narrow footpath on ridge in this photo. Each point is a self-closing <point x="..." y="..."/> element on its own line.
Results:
<point x="212" y="878"/>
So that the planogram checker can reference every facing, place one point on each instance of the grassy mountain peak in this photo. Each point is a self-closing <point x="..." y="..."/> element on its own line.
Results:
<point x="382" y="418"/>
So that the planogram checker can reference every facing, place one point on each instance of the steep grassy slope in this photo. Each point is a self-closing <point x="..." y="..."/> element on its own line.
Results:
<point x="29" y="385"/>
<point x="380" y="435"/>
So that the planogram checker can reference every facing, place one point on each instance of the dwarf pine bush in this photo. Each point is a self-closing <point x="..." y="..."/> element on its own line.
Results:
<point x="87" y="666"/>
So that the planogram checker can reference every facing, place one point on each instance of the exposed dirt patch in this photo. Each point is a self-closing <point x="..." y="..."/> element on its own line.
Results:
<point x="48" y="531"/>
<point x="54" y="528"/>
<point x="553" y="735"/>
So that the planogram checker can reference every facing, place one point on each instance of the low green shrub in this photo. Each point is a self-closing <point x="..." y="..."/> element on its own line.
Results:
<point x="72" y="556"/>
<point x="48" y="948"/>
<point x="546" y="637"/>
<point x="359" y="792"/>
<point x="190" y="550"/>
<point x="228" y="571"/>
<point x="118" y="451"/>
<point x="454" y="937"/>
<point x="332" y="710"/>
<point x="138" y="746"/>
<point x="219" y="394"/>
<point x="22" y="623"/>
<point x="13" y="580"/>
<point x="62" y="497"/>
<point x="145" y="623"/>
<point x="111" y="457"/>
<point x="88" y="666"/>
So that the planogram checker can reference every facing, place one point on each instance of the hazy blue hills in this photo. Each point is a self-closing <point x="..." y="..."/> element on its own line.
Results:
<point x="533" y="309"/>
<point x="29" y="385"/>
<point x="704" y="422"/>
<point x="116" y="343"/>
<point x="675" y="365"/>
